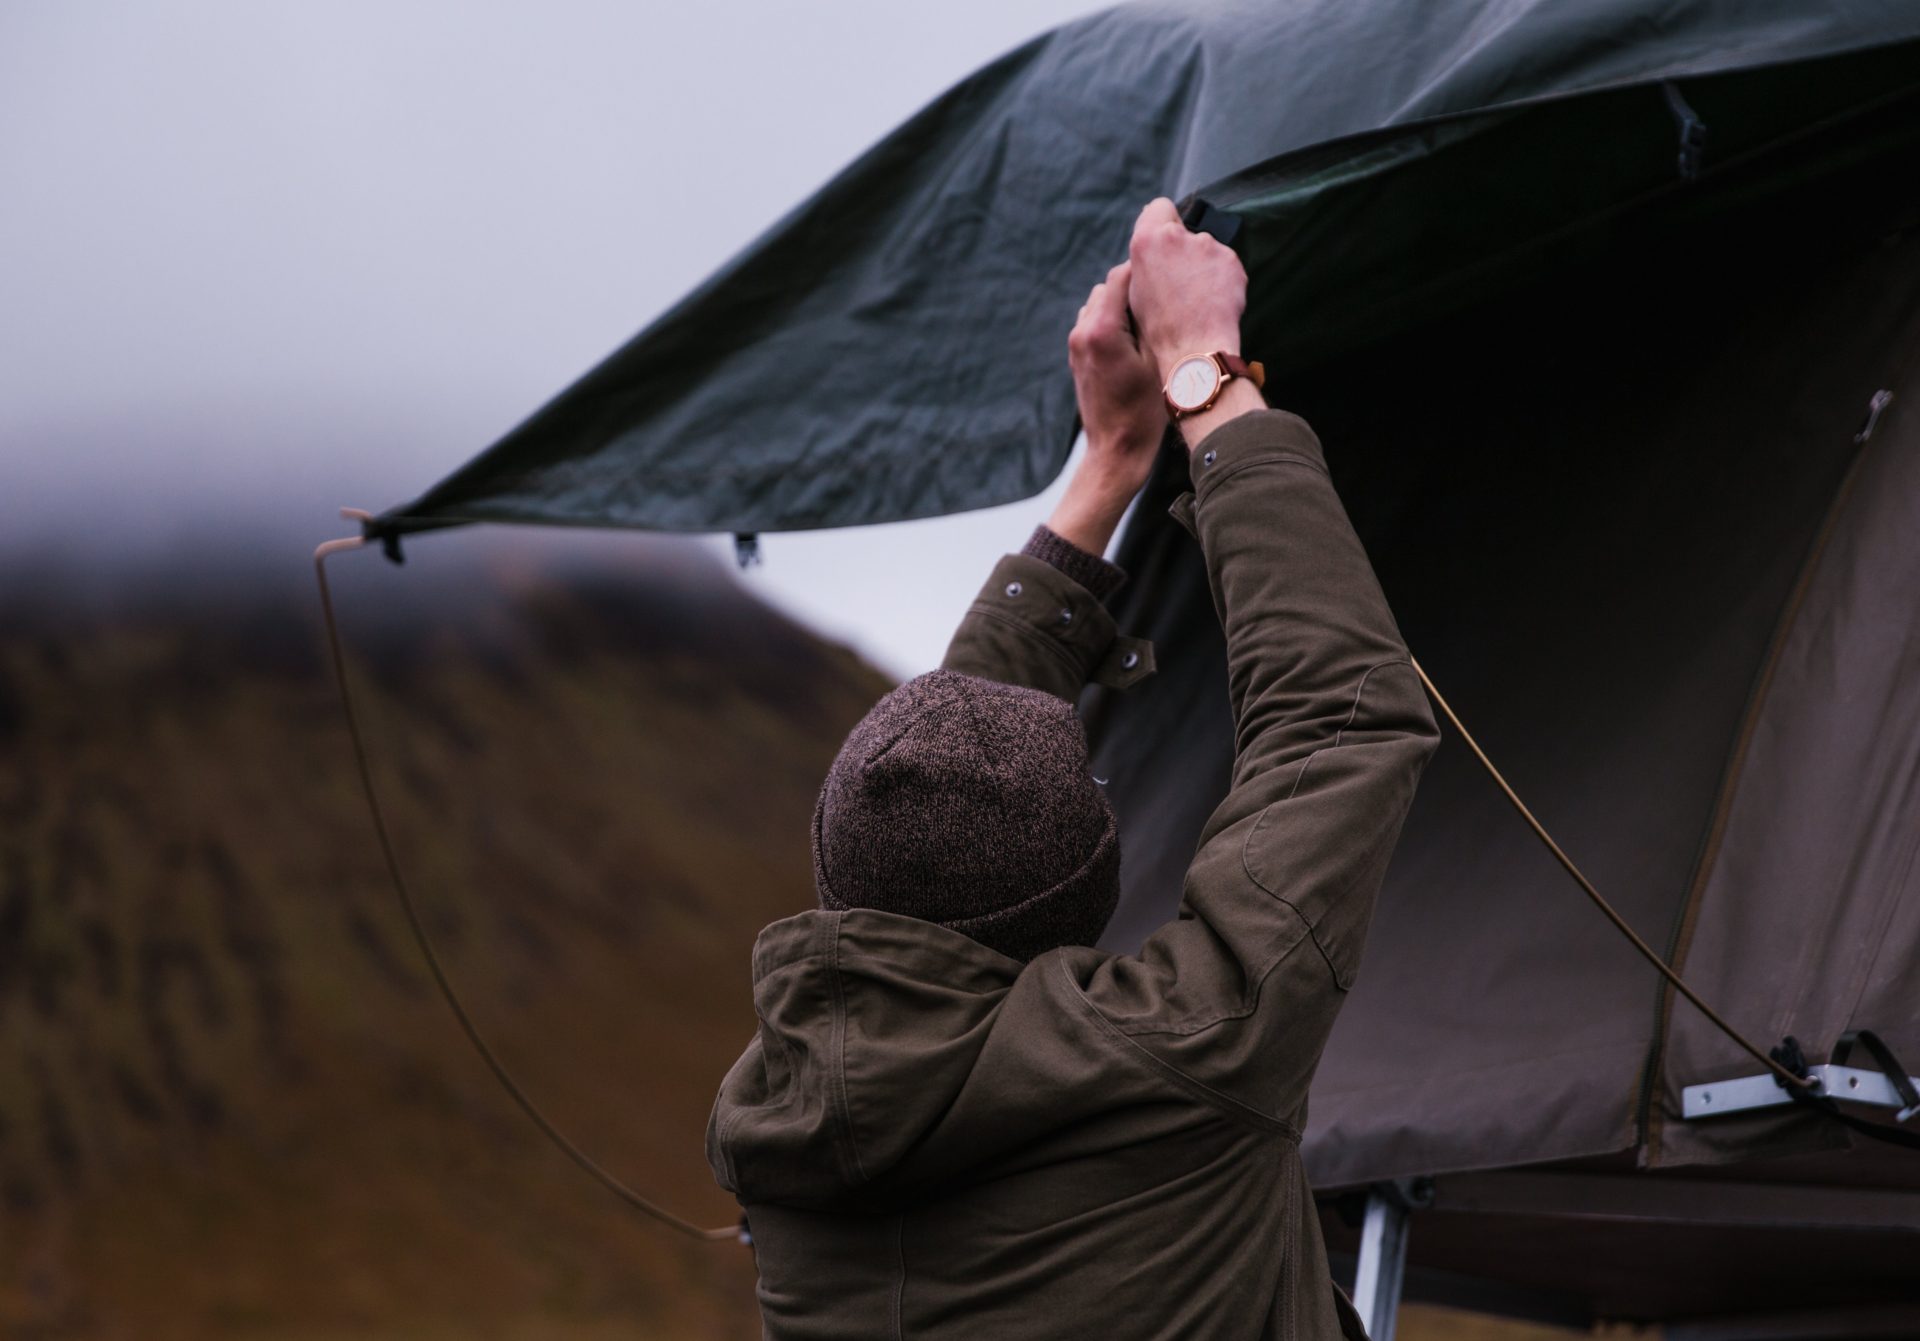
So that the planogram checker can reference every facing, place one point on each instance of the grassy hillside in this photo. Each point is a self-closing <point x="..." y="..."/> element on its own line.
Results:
<point x="230" y="1104"/>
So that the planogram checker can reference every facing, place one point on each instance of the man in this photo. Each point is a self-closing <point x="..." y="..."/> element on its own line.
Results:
<point x="958" y="1118"/>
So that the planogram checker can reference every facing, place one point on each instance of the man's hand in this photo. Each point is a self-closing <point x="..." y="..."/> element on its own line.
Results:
<point x="1118" y="386"/>
<point x="1188" y="290"/>
<point x="1188" y="293"/>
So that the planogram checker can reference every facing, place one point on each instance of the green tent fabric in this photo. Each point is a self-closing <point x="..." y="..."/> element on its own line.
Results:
<point x="891" y="349"/>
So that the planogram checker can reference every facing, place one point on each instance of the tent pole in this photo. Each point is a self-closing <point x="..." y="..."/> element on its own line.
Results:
<point x="1383" y="1252"/>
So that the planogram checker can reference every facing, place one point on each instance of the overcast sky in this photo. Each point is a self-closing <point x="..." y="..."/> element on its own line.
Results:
<point x="259" y="259"/>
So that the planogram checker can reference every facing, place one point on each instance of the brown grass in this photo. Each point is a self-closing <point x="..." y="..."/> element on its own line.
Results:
<point x="229" y="1104"/>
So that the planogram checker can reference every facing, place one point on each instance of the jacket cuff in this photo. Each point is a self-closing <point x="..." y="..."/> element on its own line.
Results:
<point x="1257" y="436"/>
<point x="1032" y="624"/>
<point x="1090" y="570"/>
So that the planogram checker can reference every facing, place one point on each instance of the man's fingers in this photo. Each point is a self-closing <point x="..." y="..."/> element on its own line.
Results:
<point x="1157" y="229"/>
<point x="1159" y="210"/>
<point x="1113" y="294"/>
<point x="1096" y="321"/>
<point x="1109" y="309"/>
<point x="1105" y="324"/>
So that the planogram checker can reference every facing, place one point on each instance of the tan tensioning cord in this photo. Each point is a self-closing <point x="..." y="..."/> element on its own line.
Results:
<point x="1785" y="1076"/>
<point x="666" y="1217"/>
<point x="500" y="1073"/>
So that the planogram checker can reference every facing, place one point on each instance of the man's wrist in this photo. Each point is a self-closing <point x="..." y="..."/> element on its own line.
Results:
<point x="1088" y="513"/>
<point x="1169" y="353"/>
<point x="1239" y="396"/>
<point x="1101" y="476"/>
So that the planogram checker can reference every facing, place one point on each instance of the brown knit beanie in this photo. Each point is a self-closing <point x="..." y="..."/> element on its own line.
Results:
<point x="970" y="803"/>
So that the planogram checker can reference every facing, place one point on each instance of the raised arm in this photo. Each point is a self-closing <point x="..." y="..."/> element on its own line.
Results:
<point x="1040" y="620"/>
<point x="1331" y="727"/>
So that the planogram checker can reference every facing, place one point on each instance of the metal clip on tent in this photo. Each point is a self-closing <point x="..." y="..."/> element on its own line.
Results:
<point x="1876" y="407"/>
<point x="1693" y="132"/>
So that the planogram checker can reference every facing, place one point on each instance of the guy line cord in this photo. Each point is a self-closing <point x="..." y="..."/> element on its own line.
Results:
<point x="1607" y="910"/>
<point x="728" y="1233"/>
<point x="539" y="1119"/>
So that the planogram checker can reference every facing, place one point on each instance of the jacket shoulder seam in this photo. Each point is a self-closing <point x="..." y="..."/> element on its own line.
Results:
<point x="1250" y="1001"/>
<point x="1246" y="863"/>
<point x="1195" y="1088"/>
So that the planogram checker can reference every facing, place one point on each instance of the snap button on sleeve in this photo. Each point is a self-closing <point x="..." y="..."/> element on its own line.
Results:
<point x="1066" y="616"/>
<point x="1126" y="662"/>
<point x="1013" y="588"/>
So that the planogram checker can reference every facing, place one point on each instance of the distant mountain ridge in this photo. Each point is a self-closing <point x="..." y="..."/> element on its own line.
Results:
<point x="230" y="1103"/>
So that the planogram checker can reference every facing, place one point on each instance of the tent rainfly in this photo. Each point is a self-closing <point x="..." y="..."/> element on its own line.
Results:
<point x="1596" y="307"/>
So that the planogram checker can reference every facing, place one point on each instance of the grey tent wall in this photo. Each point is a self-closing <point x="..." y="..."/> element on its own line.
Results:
<point x="1808" y="918"/>
<point x="1589" y="503"/>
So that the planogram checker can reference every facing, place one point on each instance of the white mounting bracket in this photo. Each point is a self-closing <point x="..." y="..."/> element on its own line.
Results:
<point x="1743" y="1094"/>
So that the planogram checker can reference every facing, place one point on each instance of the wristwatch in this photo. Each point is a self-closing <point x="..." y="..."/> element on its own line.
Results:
<point x="1195" y="382"/>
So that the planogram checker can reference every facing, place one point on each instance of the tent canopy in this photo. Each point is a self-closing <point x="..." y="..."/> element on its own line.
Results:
<point x="891" y="349"/>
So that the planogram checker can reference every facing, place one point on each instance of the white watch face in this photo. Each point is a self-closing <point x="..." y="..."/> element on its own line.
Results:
<point x="1193" y="382"/>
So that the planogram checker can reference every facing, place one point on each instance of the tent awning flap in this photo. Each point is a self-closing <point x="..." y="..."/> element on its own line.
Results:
<point x="892" y="349"/>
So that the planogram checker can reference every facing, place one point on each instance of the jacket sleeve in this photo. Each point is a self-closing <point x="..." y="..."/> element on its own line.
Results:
<point x="1032" y="624"/>
<point x="1332" y="730"/>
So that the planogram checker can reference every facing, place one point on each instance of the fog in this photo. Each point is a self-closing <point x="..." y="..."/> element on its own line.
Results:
<point x="260" y="260"/>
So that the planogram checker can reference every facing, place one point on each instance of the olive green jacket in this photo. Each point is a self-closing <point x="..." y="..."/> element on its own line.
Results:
<point x="932" y="1140"/>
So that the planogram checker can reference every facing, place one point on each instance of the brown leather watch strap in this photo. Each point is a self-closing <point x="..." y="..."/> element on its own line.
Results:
<point x="1239" y="367"/>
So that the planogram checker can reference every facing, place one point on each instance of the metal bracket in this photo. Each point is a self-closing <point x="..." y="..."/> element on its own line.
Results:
<point x="1876" y="406"/>
<point x="1693" y="132"/>
<point x="1383" y="1252"/>
<point x="1743" y="1094"/>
